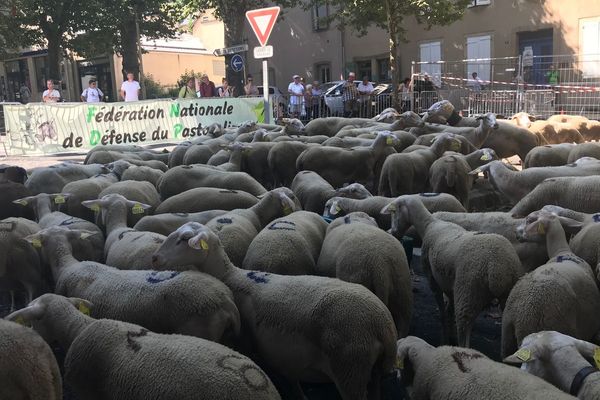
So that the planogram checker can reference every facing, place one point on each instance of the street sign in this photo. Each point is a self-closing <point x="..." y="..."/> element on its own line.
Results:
<point x="528" y="56"/>
<point x="237" y="63"/>
<point x="230" y="50"/>
<point x="263" y="52"/>
<point x="262" y="22"/>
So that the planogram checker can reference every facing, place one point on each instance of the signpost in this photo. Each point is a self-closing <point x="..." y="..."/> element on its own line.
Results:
<point x="230" y="50"/>
<point x="237" y="63"/>
<point x="262" y="22"/>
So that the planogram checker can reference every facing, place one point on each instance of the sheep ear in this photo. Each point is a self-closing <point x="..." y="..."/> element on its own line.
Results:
<point x="35" y="240"/>
<point x="93" y="205"/>
<point x="523" y="355"/>
<point x="82" y="305"/>
<point x="86" y="234"/>
<point x="199" y="242"/>
<point x="570" y="225"/>
<point x="60" y="198"/>
<point x="138" y="208"/>
<point x="389" y="209"/>
<point x="24" y="201"/>
<point x="287" y="204"/>
<point x="27" y="315"/>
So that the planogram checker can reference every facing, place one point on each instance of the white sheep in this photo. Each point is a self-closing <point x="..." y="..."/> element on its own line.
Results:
<point x="305" y="327"/>
<point x="454" y="373"/>
<point x="205" y="199"/>
<point x="470" y="268"/>
<point x="282" y="161"/>
<point x="108" y="359"/>
<point x="28" y="369"/>
<point x="52" y="179"/>
<point x="566" y="362"/>
<point x="551" y="155"/>
<point x="288" y="245"/>
<point x="167" y="223"/>
<point x="124" y="248"/>
<point x="141" y="192"/>
<point x="142" y="173"/>
<point x="186" y="302"/>
<point x="560" y="295"/>
<point x="356" y="250"/>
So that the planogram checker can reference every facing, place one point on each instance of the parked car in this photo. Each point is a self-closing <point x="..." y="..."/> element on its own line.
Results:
<point x="333" y="98"/>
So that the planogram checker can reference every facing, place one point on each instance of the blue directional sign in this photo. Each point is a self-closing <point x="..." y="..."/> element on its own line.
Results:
<point x="237" y="63"/>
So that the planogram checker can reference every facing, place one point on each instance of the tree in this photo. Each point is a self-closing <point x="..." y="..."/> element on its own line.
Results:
<point x="389" y="15"/>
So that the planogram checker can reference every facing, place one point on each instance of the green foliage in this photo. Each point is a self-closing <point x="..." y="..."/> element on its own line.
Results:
<point x="154" y="90"/>
<point x="186" y="76"/>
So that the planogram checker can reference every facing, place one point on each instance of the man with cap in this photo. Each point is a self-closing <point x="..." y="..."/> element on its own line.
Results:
<point x="296" y="91"/>
<point x="350" y="96"/>
<point x="207" y="87"/>
<point x="92" y="94"/>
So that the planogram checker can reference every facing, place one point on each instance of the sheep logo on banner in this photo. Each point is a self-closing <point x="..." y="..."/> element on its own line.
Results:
<point x="46" y="130"/>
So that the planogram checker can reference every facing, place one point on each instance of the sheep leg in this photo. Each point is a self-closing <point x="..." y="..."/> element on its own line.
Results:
<point x="470" y="299"/>
<point x="350" y="381"/>
<point x="12" y="301"/>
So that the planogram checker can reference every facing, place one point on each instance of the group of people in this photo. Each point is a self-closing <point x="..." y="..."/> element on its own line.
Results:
<point x="206" y="88"/>
<point x="309" y="96"/>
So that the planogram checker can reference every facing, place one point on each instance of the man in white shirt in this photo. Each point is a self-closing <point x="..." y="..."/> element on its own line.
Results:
<point x="92" y="94"/>
<point x="364" y="89"/>
<point x="296" y="91"/>
<point x="130" y="89"/>
<point x="51" y="95"/>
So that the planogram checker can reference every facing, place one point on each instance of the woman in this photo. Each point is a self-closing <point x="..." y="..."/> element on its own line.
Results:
<point x="405" y="90"/>
<point x="317" y="94"/>
<point x="308" y="101"/>
<point x="225" y="90"/>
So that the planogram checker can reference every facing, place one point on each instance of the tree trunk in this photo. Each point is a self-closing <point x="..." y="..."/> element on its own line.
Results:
<point x="54" y="56"/>
<point x="129" y="53"/>
<point x="234" y="35"/>
<point x="392" y="21"/>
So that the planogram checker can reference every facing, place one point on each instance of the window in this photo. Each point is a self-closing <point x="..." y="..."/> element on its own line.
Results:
<point x="431" y="53"/>
<point x="479" y="53"/>
<point x="475" y="3"/>
<point x="320" y="16"/>
<point x="383" y="67"/>
<point x="323" y="72"/>
<point x="363" y="68"/>
<point x="589" y="36"/>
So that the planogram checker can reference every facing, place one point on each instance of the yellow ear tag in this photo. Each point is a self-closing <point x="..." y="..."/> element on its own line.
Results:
<point x="486" y="157"/>
<point x="84" y="309"/>
<point x="21" y="202"/>
<point x="95" y="208"/>
<point x="137" y="209"/>
<point x="389" y="140"/>
<point x="455" y="146"/>
<point x="392" y="207"/>
<point x="337" y="208"/>
<point x="399" y="363"/>
<point x="523" y="354"/>
<point x="597" y="357"/>
<point x="20" y="320"/>
<point x="287" y="210"/>
<point x="203" y="244"/>
<point x="36" y="243"/>
<point x="59" y="200"/>
<point x="541" y="229"/>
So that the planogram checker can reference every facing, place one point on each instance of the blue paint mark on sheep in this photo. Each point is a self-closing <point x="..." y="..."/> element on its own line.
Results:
<point x="180" y="214"/>
<point x="125" y="232"/>
<point x="596" y="217"/>
<point x="276" y="226"/>
<point x="224" y="220"/>
<point x="574" y="259"/>
<point x="161" y="276"/>
<point x="258" y="277"/>
<point x="69" y="221"/>
<point x="347" y="219"/>
<point x="429" y="194"/>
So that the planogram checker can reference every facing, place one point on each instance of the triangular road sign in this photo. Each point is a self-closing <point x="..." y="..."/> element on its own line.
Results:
<point x="262" y="22"/>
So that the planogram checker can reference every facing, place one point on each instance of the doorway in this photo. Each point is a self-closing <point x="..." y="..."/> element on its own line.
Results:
<point x="541" y="43"/>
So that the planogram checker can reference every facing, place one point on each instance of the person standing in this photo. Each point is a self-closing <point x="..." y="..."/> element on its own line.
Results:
<point x="207" y="87"/>
<point x="189" y="90"/>
<point x="475" y="83"/>
<point x="25" y="93"/>
<point x="308" y="101"/>
<point x="296" y="92"/>
<point x="92" y="94"/>
<point x="317" y="94"/>
<point x="405" y="90"/>
<point x="225" y="90"/>
<point x="365" y="88"/>
<point x="50" y="95"/>
<point x="250" y="89"/>
<point x="350" y="96"/>
<point x="130" y="89"/>
<point x="552" y="75"/>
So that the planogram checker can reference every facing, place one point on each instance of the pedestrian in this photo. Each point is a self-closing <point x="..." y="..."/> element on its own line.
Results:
<point x="308" y="101"/>
<point x="130" y="89"/>
<point x="51" y="95"/>
<point x="475" y="83"/>
<point x="25" y="93"/>
<point x="365" y="88"/>
<point x="188" y="91"/>
<point x="552" y="75"/>
<point x="405" y="90"/>
<point x="207" y="87"/>
<point x="296" y="91"/>
<point x="250" y="89"/>
<point x="92" y="94"/>
<point x="225" y="90"/>
<point x="317" y="97"/>
<point x="350" y="96"/>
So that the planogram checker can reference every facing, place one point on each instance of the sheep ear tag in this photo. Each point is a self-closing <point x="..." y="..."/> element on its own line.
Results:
<point x="22" y="202"/>
<point x="95" y="208"/>
<point x="389" y="140"/>
<point x="37" y="243"/>
<point x="399" y="364"/>
<point x="137" y="209"/>
<point x="59" y="199"/>
<point x="486" y="157"/>
<point x="540" y="229"/>
<point x="20" y="320"/>
<point x="84" y="309"/>
<point x="455" y="146"/>
<point x="597" y="357"/>
<point x="523" y="354"/>
<point x="198" y="244"/>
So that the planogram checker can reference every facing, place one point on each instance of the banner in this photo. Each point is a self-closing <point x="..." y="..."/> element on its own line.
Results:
<point x="41" y="128"/>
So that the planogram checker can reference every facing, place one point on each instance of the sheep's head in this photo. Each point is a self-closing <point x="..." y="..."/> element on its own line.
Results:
<point x="408" y="352"/>
<point x="333" y="208"/>
<point x="51" y="200"/>
<point x="246" y="127"/>
<point x="118" y="167"/>
<point x="112" y="201"/>
<point x="448" y="141"/>
<point x="283" y="199"/>
<point x="353" y="191"/>
<point x="398" y="210"/>
<point x="536" y="225"/>
<point x="489" y="120"/>
<point x="522" y="119"/>
<point x="293" y="126"/>
<point x="43" y="239"/>
<point x="43" y="312"/>
<point x="548" y="355"/>
<point x="487" y="155"/>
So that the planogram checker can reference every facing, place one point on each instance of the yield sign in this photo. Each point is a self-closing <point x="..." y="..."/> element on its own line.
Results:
<point x="262" y="22"/>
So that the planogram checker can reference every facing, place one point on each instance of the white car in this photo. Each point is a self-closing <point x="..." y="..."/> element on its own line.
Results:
<point x="333" y="98"/>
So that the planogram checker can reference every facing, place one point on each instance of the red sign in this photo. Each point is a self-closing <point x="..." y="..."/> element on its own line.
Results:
<point x="262" y="22"/>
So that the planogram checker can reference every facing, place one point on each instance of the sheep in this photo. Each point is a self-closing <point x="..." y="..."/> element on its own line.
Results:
<point x="282" y="161"/>
<point x="184" y="302"/>
<point x="509" y="140"/>
<point x="584" y="150"/>
<point x="304" y="327"/>
<point x="19" y="261"/>
<point x="178" y="153"/>
<point x="470" y="268"/>
<point x="124" y="248"/>
<point x="43" y="204"/>
<point x="338" y="166"/>
<point x="10" y="191"/>
<point x="109" y="359"/>
<point x="135" y="173"/>
<point x="556" y="133"/>
<point x="106" y="157"/>
<point x="202" y="152"/>
<point x="517" y="184"/>
<point x="589" y="129"/>
<point x="427" y="140"/>
<point x="318" y="139"/>
<point x="450" y="173"/>
<point x="405" y="140"/>
<point x="139" y="191"/>
<point x="560" y="295"/>
<point x="28" y="369"/>
<point x="338" y="206"/>
<point x="356" y="250"/>
<point x="548" y="156"/>
<point x="185" y="177"/>
<point x="562" y="360"/>
<point x="332" y="125"/>
<point x="167" y="223"/>
<point x="237" y="228"/>
<point x="52" y="179"/>
<point x="476" y="136"/>
<point x="577" y="193"/>
<point x="204" y="199"/>
<point x="454" y="373"/>
<point x="256" y="164"/>
<point x="407" y="173"/>
<point x="288" y="245"/>
<point x="531" y="254"/>
<point x="12" y="173"/>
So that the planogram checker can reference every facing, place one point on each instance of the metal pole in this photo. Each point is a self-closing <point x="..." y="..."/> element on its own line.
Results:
<point x="265" y="69"/>
<point x="139" y="51"/>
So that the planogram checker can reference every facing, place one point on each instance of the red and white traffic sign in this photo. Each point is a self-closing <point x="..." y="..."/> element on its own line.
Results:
<point x="262" y="22"/>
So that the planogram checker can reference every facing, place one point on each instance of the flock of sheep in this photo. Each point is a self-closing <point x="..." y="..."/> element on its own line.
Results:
<point x="268" y="253"/>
